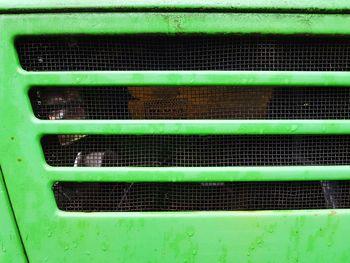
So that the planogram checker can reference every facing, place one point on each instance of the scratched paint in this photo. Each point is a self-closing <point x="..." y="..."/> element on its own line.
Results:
<point x="11" y="248"/>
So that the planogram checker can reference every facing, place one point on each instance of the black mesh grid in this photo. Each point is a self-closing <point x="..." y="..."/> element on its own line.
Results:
<point x="193" y="52"/>
<point x="196" y="151"/>
<point x="224" y="196"/>
<point x="191" y="102"/>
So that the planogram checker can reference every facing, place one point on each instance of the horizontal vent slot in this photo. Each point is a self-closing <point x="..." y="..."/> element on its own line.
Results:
<point x="196" y="151"/>
<point x="133" y="197"/>
<point x="127" y="53"/>
<point x="97" y="103"/>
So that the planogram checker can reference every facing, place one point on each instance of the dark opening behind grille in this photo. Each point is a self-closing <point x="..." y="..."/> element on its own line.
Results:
<point x="140" y="52"/>
<point x="196" y="151"/>
<point x="191" y="103"/>
<point x="129" y="197"/>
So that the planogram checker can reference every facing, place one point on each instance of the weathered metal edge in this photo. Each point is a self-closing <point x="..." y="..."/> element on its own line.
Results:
<point x="303" y="6"/>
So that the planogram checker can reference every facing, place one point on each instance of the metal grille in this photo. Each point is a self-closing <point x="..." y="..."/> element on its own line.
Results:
<point x="162" y="52"/>
<point x="191" y="103"/>
<point x="196" y="151"/>
<point x="224" y="196"/>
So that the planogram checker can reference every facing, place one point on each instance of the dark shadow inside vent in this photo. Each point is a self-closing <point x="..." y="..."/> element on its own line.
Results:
<point x="195" y="150"/>
<point x="191" y="52"/>
<point x="211" y="102"/>
<point x="209" y="196"/>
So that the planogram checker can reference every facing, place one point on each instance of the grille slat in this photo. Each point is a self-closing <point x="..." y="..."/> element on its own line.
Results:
<point x="196" y="151"/>
<point x="191" y="103"/>
<point x="218" y="196"/>
<point x="140" y="52"/>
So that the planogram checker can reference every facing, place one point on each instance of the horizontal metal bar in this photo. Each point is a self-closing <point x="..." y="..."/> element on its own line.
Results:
<point x="207" y="23"/>
<point x="192" y="126"/>
<point x="202" y="214"/>
<point x="197" y="174"/>
<point x="196" y="5"/>
<point x="190" y="78"/>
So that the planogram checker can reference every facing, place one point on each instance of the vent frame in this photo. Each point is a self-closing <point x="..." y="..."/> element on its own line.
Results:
<point x="38" y="197"/>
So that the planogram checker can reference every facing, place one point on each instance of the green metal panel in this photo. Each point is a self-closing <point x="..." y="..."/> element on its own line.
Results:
<point x="11" y="249"/>
<point x="55" y="236"/>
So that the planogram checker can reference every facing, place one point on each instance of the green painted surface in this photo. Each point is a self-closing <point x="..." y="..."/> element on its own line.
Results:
<point x="231" y="5"/>
<point x="11" y="249"/>
<point x="53" y="236"/>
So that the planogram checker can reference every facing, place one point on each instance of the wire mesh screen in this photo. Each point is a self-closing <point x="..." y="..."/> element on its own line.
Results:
<point x="193" y="52"/>
<point x="224" y="196"/>
<point x="195" y="151"/>
<point x="190" y="103"/>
